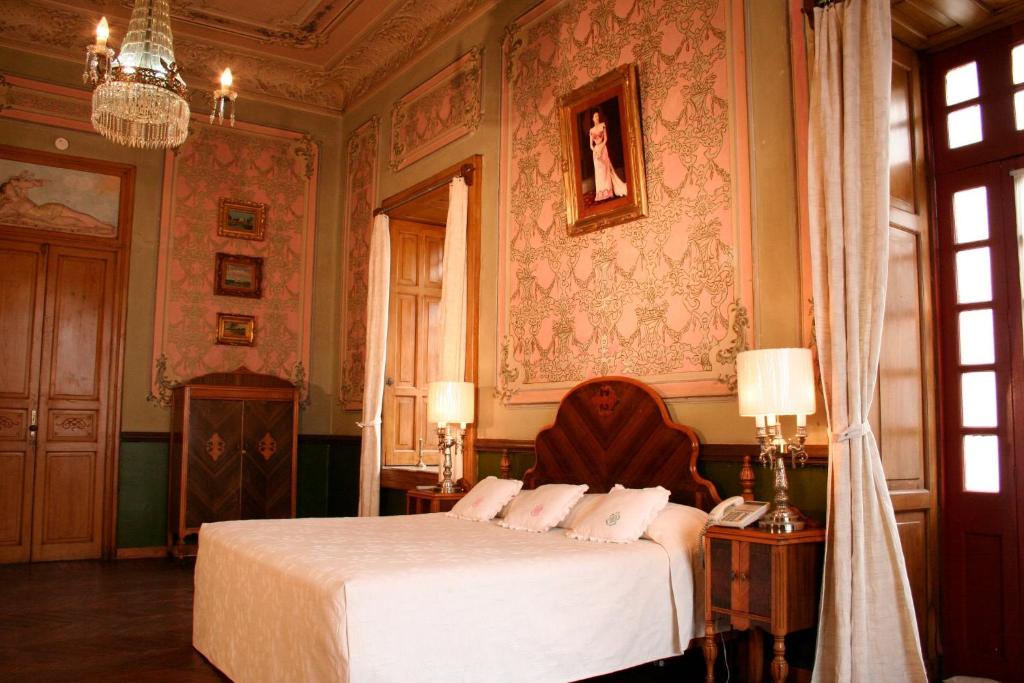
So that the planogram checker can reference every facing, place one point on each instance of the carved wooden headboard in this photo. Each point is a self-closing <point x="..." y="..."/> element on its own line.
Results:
<point x="616" y="430"/>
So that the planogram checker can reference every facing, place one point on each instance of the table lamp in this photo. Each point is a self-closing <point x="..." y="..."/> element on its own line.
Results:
<point x="773" y="383"/>
<point x="449" y="403"/>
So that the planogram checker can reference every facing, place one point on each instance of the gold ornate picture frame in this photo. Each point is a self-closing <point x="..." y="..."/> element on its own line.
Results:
<point x="238" y="275"/>
<point x="602" y="152"/>
<point x="236" y="330"/>
<point x="241" y="219"/>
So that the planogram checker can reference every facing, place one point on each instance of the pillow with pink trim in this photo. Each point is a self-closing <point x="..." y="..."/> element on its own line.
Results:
<point x="543" y="507"/>
<point x="621" y="516"/>
<point x="485" y="499"/>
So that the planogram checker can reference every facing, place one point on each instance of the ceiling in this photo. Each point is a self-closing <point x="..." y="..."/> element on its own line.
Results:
<point x="326" y="54"/>
<point x="932" y="24"/>
<point x="329" y="54"/>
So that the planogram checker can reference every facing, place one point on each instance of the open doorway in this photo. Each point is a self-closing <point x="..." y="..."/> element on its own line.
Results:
<point x="418" y="216"/>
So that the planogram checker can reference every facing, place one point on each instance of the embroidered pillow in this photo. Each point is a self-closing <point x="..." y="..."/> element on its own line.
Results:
<point x="485" y="499"/>
<point x="621" y="516"/>
<point x="543" y="507"/>
<point x="580" y="509"/>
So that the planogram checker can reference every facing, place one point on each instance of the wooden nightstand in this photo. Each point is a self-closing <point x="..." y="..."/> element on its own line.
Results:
<point x="761" y="580"/>
<point x="418" y="501"/>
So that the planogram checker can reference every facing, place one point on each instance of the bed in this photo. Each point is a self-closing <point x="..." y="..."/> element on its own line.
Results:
<point x="430" y="597"/>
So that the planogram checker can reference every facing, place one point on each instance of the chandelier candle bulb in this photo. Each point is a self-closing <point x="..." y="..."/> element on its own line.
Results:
<point x="102" y="33"/>
<point x="98" y="58"/>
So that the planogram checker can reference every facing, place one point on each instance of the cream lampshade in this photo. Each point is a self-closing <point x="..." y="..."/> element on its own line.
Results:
<point x="776" y="382"/>
<point x="450" y="402"/>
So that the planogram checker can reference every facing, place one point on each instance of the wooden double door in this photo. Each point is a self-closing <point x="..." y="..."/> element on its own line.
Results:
<point x="58" y="322"/>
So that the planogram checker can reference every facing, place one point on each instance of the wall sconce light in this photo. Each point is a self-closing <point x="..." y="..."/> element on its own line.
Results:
<point x="224" y="100"/>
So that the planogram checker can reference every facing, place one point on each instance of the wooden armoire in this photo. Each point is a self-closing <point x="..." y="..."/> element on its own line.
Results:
<point x="233" y="452"/>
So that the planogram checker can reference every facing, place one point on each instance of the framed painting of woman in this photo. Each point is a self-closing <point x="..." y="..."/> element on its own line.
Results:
<point x="602" y="152"/>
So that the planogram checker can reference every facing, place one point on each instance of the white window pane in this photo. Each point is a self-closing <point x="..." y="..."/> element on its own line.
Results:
<point x="977" y="343"/>
<point x="970" y="214"/>
<point x="973" y="276"/>
<point x="978" y="399"/>
<point x="1018" y="64"/>
<point x="964" y="126"/>
<point x="962" y="83"/>
<point x="981" y="463"/>
<point x="1018" y="109"/>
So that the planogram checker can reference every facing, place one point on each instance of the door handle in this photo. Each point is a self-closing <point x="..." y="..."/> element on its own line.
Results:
<point x="388" y="381"/>
<point x="33" y="425"/>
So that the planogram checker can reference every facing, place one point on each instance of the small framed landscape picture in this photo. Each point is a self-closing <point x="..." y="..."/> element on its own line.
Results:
<point x="239" y="276"/>
<point x="236" y="330"/>
<point x="246" y="220"/>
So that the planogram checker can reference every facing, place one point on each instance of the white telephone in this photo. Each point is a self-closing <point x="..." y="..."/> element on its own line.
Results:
<point x="736" y="512"/>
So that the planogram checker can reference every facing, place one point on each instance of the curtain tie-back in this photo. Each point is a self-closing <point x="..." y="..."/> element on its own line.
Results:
<point x="852" y="432"/>
<point x="371" y="423"/>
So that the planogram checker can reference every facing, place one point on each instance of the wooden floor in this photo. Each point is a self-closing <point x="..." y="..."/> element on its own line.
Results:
<point x="132" y="621"/>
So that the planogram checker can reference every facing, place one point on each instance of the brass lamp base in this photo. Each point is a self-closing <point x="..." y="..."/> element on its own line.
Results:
<point x="781" y="520"/>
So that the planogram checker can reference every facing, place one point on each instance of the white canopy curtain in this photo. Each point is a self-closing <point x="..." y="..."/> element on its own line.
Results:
<point x="377" y="298"/>
<point x="453" y="296"/>
<point x="867" y="631"/>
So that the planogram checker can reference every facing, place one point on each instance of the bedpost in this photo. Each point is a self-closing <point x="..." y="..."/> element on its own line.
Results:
<point x="747" y="479"/>
<point x="506" y="465"/>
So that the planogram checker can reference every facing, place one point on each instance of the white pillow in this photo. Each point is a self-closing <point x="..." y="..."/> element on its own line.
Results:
<point x="677" y="526"/>
<point x="621" y="516"/>
<point x="485" y="499"/>
<point x="543" y="507"/>
<point x="580" y="509"/>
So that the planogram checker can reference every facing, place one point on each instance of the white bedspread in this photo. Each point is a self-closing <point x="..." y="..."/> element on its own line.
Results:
<point x="428" y="597"/>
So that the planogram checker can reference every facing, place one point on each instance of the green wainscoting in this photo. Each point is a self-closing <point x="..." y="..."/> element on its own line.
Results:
<point x="142" y="494"/>
<point x="327" y="484"/>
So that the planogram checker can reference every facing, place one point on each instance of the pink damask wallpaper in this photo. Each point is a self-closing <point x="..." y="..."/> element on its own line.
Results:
<point x="665" y="298"/>
<point x="360" y="198"/>
<point x="251" y="163"/>
<point x="441" y="110"/>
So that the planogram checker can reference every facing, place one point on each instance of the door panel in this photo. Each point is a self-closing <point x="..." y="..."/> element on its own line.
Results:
<point x="413" y="341"/>
<point x="980" y="534"/>
<point x="71" y="452"/>
<point x="904" y="412"/>
<point x="22" y="289"/>
<point x="214" y="461"/>
<point x="79" y="288"/>
<point x="70" y="501"/>
<point x="267" y="460"/>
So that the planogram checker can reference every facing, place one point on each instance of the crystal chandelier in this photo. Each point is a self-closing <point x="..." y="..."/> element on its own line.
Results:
<point x="138" y="95"/>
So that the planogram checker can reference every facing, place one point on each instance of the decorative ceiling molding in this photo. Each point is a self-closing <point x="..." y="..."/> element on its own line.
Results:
<point x="313" y="57"/>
